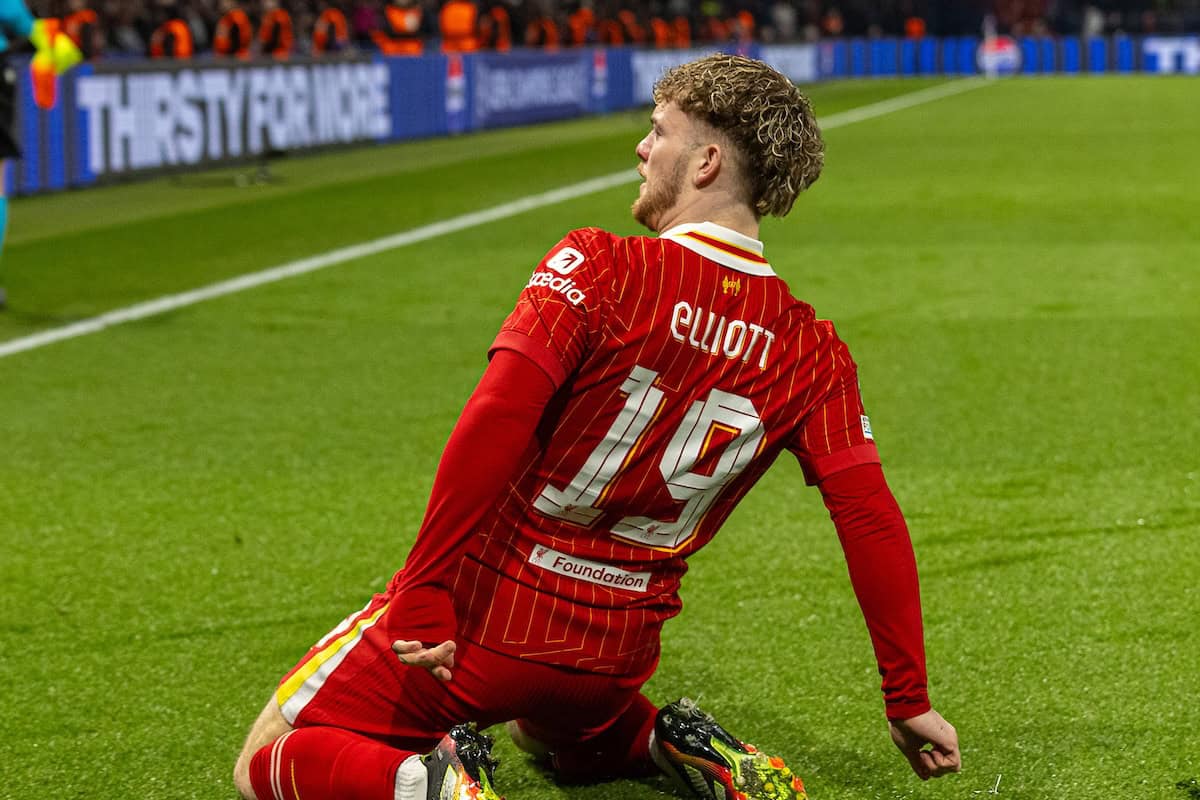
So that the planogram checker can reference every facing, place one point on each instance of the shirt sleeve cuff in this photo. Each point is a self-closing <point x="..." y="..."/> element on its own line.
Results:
<point x="533" y="350"/>
<point x="821" y="468"/>
<point x="907" y="709"/>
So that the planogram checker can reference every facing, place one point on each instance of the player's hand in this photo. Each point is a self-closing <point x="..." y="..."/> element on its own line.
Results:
<point x="438" y="660"/>
<point x="929" y="743"/>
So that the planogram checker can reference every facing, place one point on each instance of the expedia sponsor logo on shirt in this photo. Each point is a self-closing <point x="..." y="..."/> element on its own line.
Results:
<point x="558" y="283"/>
<point x="591" y="571"/>
<point x="565" y="260"/>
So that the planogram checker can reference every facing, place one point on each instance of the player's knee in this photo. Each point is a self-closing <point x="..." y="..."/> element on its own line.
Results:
<point x="269" y="726"/>
<point x="525" y="742"/>
<point x="241" y="778"/>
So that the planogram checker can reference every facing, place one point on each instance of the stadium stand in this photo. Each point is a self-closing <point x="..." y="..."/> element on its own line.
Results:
<point x="281" y="28"/>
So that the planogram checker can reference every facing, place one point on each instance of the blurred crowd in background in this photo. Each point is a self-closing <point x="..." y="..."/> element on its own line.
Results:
<point x="286" y="28"/>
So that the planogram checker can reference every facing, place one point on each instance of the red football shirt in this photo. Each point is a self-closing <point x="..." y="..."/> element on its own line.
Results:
<point x="685" y="366"/>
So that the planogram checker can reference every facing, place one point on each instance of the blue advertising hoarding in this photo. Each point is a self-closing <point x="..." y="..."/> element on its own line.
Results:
<point x="120" y="119"/>
<point x="516" y="88"/>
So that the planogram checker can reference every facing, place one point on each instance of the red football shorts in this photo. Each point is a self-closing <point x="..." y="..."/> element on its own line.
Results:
<point x="351" y="679"/>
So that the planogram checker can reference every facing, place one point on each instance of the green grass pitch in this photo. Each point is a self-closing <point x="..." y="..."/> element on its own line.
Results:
<point x="188" y="502"/>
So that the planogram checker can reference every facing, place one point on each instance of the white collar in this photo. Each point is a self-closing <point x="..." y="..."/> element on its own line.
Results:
<point x="718" y="243"/>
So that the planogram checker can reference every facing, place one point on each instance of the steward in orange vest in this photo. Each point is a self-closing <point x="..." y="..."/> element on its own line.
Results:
<point x="741" y="27"/>
<point x="634" y="31"/>
<point x="683" y="31"/>
<point x="233" y="34"/>
<point x="914" y="27"/>
<point x="542" y="32"/>
<point x="715" y="29"/>
<point x="172" y="39"/>
<point x="610" y="32"/>
<point x="83" y="26"/>
<point x="275" y="35"/>
<point x="495" y="29"/>
<point x="459" y="25"/>
<point x="663" y="33"/>
<point x="402" y="34"/>
<point x="331" y="32"/>
<point x="582" y="26"/>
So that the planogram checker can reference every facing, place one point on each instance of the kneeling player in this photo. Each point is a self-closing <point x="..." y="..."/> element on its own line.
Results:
<point x="625" y="411"/>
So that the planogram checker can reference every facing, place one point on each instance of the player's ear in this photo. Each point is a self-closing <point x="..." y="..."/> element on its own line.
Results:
<point x="709" y="166"/>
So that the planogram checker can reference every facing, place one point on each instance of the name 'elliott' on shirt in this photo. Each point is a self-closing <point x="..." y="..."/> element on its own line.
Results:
<point x="716" y="335"/>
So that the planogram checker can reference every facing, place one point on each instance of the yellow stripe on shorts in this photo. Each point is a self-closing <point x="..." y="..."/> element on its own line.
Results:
<point x="297" y="690"/>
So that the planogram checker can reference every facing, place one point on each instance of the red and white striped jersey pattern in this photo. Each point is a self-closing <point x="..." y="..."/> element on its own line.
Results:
<point x="685" y="366"/>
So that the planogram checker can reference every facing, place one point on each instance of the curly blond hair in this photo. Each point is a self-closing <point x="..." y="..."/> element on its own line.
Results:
<point x="768" y="121"/>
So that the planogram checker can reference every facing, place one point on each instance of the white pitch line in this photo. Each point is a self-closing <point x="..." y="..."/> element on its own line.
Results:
<point x="331" y="258"/>
<point x="901" y="102"/>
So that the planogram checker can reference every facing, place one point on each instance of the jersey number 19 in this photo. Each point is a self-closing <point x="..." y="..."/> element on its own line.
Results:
<point x="731" y="417"/>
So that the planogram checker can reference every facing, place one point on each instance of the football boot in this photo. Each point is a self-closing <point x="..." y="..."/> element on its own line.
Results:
<point x="709" y="762"/>
<point x="461" y="766"/>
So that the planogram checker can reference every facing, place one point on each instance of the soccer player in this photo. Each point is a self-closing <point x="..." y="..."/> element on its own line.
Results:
<point x="637" y="391"/>
<point x="55" y="53"/>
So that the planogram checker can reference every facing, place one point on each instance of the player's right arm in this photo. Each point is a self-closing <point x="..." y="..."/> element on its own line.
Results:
<point x="929" y="743"/>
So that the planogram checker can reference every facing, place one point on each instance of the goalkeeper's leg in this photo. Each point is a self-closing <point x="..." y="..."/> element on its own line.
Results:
<point x="10" y="149"/>
<point x="15" y="17"/>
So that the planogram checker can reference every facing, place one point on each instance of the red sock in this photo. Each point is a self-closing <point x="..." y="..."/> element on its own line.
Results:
<point x="621" y="751"/>
<point x="321" y="763"/>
